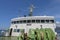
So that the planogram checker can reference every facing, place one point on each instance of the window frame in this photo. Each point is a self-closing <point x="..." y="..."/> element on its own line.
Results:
<point x="16" y="30"/>
<point x="37" y="21"/>
<point x="33" y="21"/>
<point x="42" y="21"/>
<point x="51" y="21"/>
<point x="47" y="21"/>
<point x="28" y="21"/>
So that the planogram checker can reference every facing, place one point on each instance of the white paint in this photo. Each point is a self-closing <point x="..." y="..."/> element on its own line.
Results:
<point x="33" y="25"/>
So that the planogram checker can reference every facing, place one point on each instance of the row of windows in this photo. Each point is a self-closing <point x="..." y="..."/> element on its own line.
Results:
<point x="18" y="30"/>
<point x="33" y="21"/>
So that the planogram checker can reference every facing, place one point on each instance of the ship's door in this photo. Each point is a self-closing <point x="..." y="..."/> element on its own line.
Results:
<point x="10" y="32"/>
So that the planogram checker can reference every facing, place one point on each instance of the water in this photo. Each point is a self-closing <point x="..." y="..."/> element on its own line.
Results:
<point x="2" y="32"/>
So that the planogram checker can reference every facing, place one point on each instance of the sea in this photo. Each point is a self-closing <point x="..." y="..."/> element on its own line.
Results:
<point x="2" y="32"/>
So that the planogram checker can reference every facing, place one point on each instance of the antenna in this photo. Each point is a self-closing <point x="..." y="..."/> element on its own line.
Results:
<point x="31" y="10"/>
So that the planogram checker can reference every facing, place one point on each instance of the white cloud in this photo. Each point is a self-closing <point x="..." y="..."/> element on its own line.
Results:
<point x="57" y="22"/>
<point x="56" y="0"/>
<point x="57" y="15"/>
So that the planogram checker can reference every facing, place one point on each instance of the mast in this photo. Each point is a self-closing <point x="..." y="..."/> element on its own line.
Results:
<point x="31" y="10"/>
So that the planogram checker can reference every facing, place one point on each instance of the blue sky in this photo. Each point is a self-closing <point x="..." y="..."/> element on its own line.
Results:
<point x="13" y="8"/>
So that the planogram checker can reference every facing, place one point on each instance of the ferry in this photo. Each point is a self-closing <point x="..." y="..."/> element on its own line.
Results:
<point x="31" y="22"/>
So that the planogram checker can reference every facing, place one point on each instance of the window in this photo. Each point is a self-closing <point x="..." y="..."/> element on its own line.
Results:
<point x="17" y="21"/>
<point x="33" y="21"/>
<point x="14" y="22"/>
<point x="51" y="21"/>
<point x="20" y="21"/>
<point x="24" y="21"/>
<point x="42" y="21"/>
<point x="16" y="30"/>
<point x="47" y="21"/>
<point x="28" y="21"/>
<point x="37" y="21"/>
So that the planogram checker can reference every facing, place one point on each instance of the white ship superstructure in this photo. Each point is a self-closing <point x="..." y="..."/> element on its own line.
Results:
<point x="31" y="22"/>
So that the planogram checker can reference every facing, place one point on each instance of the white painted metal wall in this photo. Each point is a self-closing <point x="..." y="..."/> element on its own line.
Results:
<point x="33" y="26"/>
